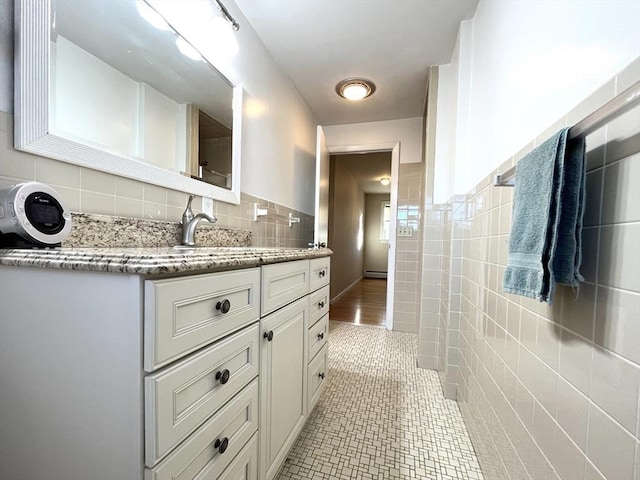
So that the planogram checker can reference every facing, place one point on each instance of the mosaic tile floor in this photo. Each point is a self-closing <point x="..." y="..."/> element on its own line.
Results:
<point x="380" y="417"/>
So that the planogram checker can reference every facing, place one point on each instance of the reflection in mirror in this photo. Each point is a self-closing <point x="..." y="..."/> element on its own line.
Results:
<point x="130" y="96"/>
<point x="119" y="64"/>
<point x="214" y="151"/>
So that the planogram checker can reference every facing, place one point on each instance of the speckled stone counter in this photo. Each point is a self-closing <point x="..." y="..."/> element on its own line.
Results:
<point x="103" y="243"/>
<point x="155" y="260"/>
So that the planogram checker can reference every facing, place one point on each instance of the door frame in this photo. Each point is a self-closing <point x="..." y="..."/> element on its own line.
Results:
<point x="321" y="204"/>
<point x="394" y="148"/>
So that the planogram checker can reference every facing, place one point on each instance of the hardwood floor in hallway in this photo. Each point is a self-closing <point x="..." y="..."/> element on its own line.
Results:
<point x="365" y="303"/>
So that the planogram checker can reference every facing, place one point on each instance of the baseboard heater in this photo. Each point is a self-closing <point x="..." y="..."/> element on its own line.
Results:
<point x="375" y="274"/>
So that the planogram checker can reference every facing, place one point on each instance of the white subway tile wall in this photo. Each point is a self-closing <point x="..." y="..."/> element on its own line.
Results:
<point x="548" y="392"/>
<point x="89" y="191"/>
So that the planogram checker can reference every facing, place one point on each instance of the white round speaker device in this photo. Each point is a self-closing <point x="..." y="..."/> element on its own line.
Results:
<point x="32" y="214"/>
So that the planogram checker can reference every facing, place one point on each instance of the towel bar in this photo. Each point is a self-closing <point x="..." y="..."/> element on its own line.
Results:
<point x="259" y="212"/>
<point x="615" y="107"/>
<point x="262" y="212"/>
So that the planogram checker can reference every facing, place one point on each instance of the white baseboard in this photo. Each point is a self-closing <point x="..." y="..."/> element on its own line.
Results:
<point x="345" y="290"/>
<point x="374" y="274"/>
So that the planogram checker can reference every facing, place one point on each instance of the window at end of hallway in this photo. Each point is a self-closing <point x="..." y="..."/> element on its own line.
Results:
<point x="385" y="219"/>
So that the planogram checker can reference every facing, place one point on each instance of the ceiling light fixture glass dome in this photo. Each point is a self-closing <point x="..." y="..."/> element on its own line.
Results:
<point x="355" y="89"/>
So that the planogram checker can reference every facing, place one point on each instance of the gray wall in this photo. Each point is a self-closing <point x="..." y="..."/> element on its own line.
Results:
<point x="346" y="217"/>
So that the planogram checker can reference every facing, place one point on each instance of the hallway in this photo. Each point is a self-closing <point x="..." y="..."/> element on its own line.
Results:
<point x="365" y="303"/>
<point x="380" y="417"/>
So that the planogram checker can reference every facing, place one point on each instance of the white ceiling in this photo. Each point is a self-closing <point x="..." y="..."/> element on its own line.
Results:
<point x="367" y="169"/>
<point x="317" y="43"/>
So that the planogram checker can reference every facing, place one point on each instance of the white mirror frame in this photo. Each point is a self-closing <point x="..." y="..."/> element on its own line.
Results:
<point x="32" y="116"/>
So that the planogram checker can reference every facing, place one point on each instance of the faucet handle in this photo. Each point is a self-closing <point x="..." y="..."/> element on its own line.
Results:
<point x="188" y="215"/>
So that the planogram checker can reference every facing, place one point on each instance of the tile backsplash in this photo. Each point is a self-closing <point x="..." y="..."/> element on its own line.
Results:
<point x="548" y="392"/>
<point x="90" y="191"/>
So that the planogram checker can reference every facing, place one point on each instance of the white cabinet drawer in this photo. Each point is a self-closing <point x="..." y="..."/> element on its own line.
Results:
<point x="320" y="272"/>
<point x="183" y="396"/>
<point x="283" y="283"/>
<point x="184" y="314"/>
<point x="221" y="439"/>
<point x="318" y="336"/>
<point x="245" y="465"/>
<point x="317" y="377"/>
<point x="318" y="304"/>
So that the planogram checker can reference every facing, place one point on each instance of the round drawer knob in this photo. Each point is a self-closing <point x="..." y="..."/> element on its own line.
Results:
<point x="221" y="445"/>
<point x="321" y="375"/>
<point x="322" y="273"/>
<point x="321" y="304"/>
<point x="320" y="336"/>
<point x="223" y="376"/>
<point x="224" y="306"/>
<point x="268" y="335"/>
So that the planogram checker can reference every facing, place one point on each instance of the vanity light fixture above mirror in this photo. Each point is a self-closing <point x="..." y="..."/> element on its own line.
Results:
<point x="235" y="26"/>
<point x="207" y="22"/>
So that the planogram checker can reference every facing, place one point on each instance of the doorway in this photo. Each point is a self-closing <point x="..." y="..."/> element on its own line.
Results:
<point x="359" y="227"/>
<point x="322" y="202"/>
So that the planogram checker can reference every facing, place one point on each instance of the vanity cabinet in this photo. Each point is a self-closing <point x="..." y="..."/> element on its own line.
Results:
<point x="285" y="352"/>
<point x="117" y="375"/>
<point x="200" y="407"/>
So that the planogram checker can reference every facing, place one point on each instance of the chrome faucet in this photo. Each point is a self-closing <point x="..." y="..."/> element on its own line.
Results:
<point x="190" y="222"/>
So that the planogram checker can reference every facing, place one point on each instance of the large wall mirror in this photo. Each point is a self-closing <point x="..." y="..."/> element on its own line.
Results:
<point x="111" y="86"/>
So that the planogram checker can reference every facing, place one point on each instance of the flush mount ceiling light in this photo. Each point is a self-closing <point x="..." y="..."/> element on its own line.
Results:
<point x="355" y="88"/>
<point x="385" y="181"/>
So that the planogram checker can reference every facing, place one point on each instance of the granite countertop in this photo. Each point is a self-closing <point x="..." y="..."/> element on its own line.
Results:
<point x="155" y="260"/>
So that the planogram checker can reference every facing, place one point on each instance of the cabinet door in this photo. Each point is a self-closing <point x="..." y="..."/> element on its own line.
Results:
<point x="283" y="383"/>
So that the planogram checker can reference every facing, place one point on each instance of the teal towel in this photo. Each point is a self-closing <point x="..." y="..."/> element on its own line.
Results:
<point x="545" y="244"/>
